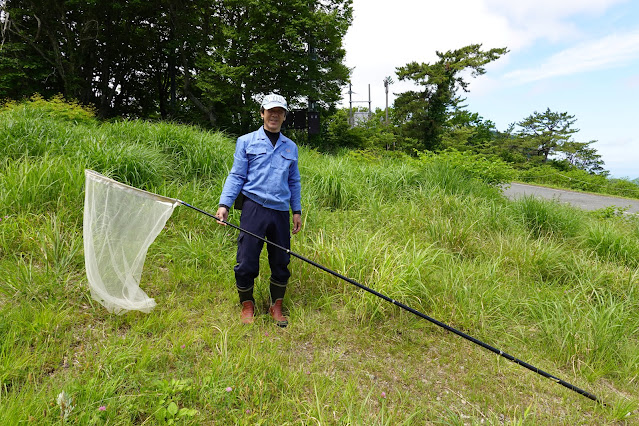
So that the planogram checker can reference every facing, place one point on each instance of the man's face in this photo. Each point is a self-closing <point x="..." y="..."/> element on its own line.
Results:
<point x="273" y="119"/>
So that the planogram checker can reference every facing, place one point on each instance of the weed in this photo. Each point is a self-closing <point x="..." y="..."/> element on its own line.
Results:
<point x="547" y="283"/>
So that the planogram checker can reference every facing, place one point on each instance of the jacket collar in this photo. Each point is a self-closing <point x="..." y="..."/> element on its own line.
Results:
<point x="262" y="135"/>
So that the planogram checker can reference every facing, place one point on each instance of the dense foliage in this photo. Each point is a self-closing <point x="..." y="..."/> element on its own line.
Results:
<point x="424" y="113"/>
<point x="198" y="61"/>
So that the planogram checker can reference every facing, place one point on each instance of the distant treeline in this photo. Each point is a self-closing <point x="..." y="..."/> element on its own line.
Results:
<point x="209" y="63"/>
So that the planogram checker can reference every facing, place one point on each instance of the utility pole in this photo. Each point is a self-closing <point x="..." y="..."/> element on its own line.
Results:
<point x="312" y="110"/>
<point x="370" y="112"/>
<point x="387" y="82"/>
<point x="351" y="118"/>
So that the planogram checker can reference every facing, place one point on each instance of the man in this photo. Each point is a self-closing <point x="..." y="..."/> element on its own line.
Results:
<point x="266" y="176"/>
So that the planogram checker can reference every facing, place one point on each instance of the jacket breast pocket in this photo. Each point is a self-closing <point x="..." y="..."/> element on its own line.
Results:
<point x="284" y="159"/>
<point x="255" y="150"/>
<point x="256" y="156"/>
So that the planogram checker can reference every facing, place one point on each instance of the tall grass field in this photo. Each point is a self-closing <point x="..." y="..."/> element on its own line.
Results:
<point x="551" y="285"/>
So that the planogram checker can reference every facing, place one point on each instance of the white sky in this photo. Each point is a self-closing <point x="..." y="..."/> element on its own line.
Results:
<point x="580" y="57"/>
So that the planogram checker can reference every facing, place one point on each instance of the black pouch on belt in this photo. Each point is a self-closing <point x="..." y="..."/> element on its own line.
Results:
<point x="239" y="202"/>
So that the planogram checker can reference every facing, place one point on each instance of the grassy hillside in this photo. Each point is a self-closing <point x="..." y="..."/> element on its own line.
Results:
<point x="551" y="285"/>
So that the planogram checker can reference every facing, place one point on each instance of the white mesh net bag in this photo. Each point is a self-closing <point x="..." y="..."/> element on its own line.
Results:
<point x="120" y="223"/>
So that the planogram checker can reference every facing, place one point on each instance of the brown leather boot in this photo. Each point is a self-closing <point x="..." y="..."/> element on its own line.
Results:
<point x="276" y="312"/>
<point x="248" y="309"/>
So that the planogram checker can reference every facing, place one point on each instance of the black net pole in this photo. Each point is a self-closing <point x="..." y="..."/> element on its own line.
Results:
<point x="413" y="311"/>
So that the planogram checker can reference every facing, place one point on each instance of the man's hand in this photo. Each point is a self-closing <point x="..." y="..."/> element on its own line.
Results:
<point x="297" y="223"/>
<point x="222" y="213"/>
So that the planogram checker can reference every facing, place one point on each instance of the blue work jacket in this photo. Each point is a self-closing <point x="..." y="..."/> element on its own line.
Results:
<point x="267" y="174"/>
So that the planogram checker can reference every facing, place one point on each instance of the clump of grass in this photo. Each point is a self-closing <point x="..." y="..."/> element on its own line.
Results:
<point x="327" y="187"/>
<point x="198" y="154"/>
<point x="135" y="164"/>
<point x="39" y="184"/>
<point x="588" y="336"/>
<point x="609" y="243"/>
<point x="192" y="153"/>
<point x="440" y="176"/>
<point x="543" y="217"/>
<point x="135" y="152"/>
<point x="384" y="180"/>
<point x="39" y="127"/>
<point x="397" y="272"/>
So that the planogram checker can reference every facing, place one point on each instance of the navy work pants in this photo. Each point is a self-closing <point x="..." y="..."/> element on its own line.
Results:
<point x="274" y="225"/>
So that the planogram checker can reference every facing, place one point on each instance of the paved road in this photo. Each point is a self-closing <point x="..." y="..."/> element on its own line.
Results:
<point x="577" y="199"/>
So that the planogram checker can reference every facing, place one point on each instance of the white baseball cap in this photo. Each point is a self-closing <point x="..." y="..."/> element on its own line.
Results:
<point x="272" y="101"/>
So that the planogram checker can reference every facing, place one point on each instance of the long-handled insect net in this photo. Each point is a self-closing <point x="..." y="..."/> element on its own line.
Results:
<point x="121" y="222"/>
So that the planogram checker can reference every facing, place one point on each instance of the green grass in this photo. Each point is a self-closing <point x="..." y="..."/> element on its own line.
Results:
<point x="548" y="284"/>
<point x="580" y="180"/>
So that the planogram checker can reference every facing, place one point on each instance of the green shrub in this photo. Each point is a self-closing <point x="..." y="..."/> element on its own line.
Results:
<point x="492" y="171"/>
<point x="339" y="133"/>
<point x="57" y="108"/>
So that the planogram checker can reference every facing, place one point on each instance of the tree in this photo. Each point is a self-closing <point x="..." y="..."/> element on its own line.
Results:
<point x="424" y="113"/>
<point x="582" y="156"/>
<point x="194" y="60"/>
<point x="103" y="53"/>
<point x="22" y="70"/>
<point x="467" y="131"/>
<point x="548" y="131"/>
<point x="550" y="134"/>
<point x="295" y="50"/>
<point x="510" y="148"/>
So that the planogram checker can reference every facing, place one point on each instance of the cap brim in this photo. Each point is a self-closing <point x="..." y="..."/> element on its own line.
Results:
<point x="271" y="105"/>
